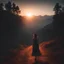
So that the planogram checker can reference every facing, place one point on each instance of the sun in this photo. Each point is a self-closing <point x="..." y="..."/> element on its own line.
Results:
<point x="29" y="15"/>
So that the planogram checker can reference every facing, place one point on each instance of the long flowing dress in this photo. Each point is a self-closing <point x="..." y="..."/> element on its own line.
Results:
<point x="35" y="49"/>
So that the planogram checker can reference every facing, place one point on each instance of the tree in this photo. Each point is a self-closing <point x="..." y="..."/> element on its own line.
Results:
<point x="57" y="8"/>
<point x="8" y="6"/>
<point x="17" y="9"/>
<point x="1" y="7"/>
<point x="13" y="7"/>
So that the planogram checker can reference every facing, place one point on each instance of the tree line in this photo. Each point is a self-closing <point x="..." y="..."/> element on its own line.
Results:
<point x="10" y="7"/>
<point x="58" y="20"/>
<point x="58" y="9"/>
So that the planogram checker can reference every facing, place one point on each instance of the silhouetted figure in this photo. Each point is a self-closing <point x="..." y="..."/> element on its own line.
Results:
<point x="57" y="8"/>
<point x="1" y="7"/>
<point x="36" y="51"/>
<point x="8" y="6"/>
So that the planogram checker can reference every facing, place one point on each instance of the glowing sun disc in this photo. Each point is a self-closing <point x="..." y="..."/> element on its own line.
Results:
<point x="29" y="14"/>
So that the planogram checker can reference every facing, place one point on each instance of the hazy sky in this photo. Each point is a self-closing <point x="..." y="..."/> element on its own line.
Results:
<point x="36" y="7"/>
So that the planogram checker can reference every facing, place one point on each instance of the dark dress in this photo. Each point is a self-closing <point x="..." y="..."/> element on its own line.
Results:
<point x="35" y="49"/>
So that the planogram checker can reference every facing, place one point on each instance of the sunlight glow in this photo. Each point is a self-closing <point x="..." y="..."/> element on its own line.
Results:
<point x="29" y="15"/>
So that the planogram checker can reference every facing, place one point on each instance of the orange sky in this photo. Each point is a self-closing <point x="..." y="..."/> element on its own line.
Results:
<point x="36" y="9"/>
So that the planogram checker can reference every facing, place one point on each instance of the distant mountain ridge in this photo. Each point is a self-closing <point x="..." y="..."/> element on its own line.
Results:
<point x="37" y="22"/>
<point x="46" y="33"/>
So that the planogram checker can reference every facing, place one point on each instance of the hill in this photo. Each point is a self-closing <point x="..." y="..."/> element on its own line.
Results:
<point x="37" y="22"/>
<point x="46" y="33"/>
<point x="10" y="31"/>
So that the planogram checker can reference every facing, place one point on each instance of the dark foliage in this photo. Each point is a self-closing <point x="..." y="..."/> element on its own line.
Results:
<point x="8" y="6"/>
<point x="58" y="22"/>
<point x="10" y="31"/>
<point x="10" y="28"/>
<point x="1" y="7"/>
<point x="57" y="8"/>
<point x="13" y="8"/>
<point x="56" y="28"/>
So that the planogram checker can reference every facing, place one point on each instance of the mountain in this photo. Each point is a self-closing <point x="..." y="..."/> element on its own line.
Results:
<point x="36" y="23"/>
<point x="54" y="29"/>
<point x="46" y="33"/>
<point x="10" y="31"/>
